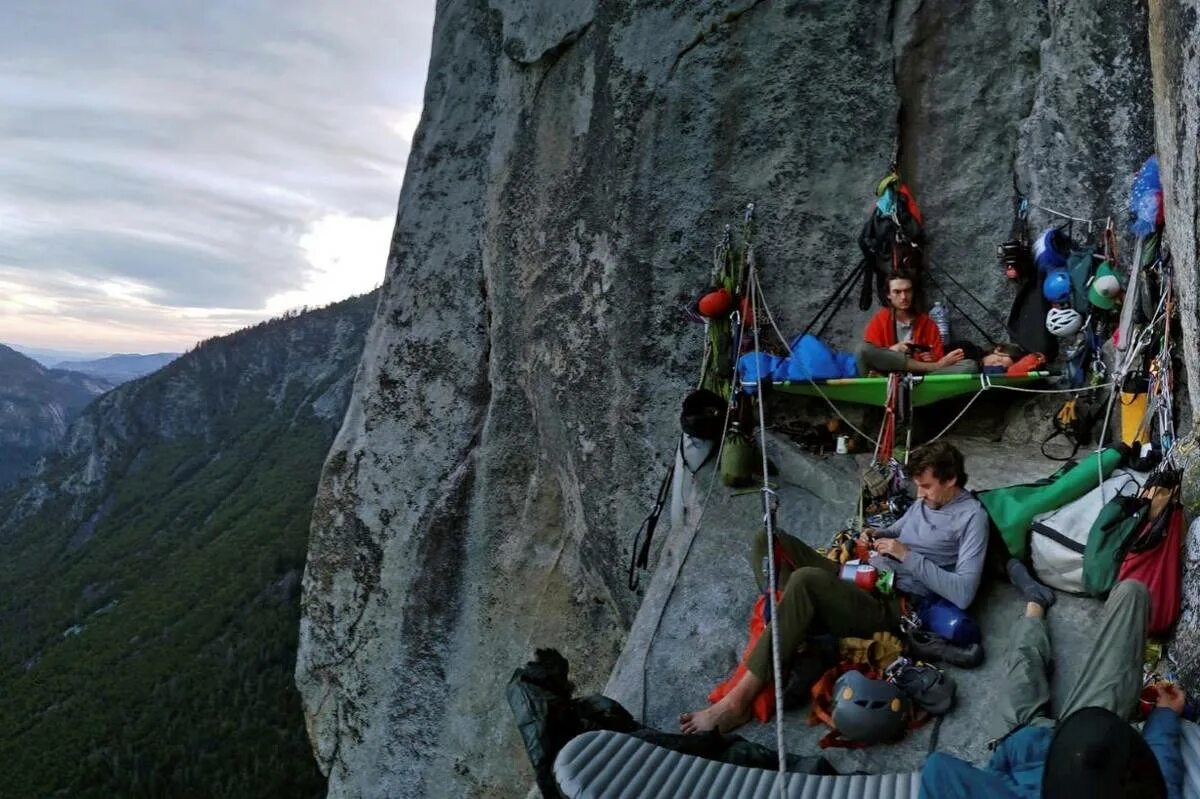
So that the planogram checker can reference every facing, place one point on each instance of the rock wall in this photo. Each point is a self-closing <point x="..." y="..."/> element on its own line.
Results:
<point x="1174" y="34"/>
<point x="518" y="392"/>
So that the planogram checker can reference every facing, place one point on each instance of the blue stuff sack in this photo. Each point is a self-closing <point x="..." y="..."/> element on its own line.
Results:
<point x="947" y="620"/>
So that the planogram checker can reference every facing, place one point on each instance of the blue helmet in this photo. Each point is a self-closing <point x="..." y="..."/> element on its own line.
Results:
<point x="1057" y="286"/>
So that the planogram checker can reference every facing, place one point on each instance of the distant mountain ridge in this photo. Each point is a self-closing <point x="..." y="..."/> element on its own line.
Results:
<point x="149" y="595"/>
<point x="36" y="407"/>
<point x="122" y="367"/>
<point x="50" y="357"/>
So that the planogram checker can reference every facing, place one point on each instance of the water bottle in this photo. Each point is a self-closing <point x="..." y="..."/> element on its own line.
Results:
<point x="941" y="318"/>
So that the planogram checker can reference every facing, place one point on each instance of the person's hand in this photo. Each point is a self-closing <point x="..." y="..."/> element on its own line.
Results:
<point x="950" y="358"/>
<point x="1170" y="695"/>
<point x="892" y="547"/>
<point x="900" y="346"/>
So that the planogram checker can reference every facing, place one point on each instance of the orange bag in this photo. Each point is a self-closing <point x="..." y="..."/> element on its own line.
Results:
<point x="764" y="703"/>
<point x="1026" y="364"/>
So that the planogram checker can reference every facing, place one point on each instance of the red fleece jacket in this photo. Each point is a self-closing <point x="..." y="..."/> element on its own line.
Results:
<point x="881" y="331"/>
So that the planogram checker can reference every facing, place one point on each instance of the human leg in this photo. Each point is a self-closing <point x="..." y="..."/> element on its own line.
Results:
<point x="1026" y="668"/>
<point x="965" y="366"/>
<point x="1027" y="584"/>
<point x="878" y="359"/>
<point x="797" y="554"/>
<point x="1112" y="674"/>
<point x="815" y="596"/>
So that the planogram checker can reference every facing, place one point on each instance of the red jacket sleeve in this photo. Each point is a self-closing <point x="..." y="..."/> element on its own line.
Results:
<point x="880" y="331"/>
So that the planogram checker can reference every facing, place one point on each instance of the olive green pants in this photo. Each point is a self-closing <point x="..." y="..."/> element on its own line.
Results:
<point x="881" y="359"/>
<point x="1112" y="674"/>
<point x="816" y="600"/>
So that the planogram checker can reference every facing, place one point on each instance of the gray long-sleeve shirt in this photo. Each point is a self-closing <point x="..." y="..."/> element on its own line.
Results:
<point x="946" y="549"/>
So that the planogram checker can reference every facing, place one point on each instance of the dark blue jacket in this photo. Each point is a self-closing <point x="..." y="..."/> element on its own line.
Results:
<point x="1015" y="770"/>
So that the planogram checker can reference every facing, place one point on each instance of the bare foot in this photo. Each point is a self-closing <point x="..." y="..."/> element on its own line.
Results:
<point x="723" y="716"/>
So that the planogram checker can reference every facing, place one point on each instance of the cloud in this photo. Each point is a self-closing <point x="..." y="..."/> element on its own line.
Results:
<point x="346" y="255"/>
<point x="167" y="170"/>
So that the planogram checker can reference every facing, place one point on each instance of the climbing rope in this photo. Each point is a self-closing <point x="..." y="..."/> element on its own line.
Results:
<point x="1079" y="390"/>
<point x="991" y="313"/>
<point x="887" y="429"/>
<point x="757" y="287"/>
<point x="1069" y="218"/>
<point x="768" y="521"/>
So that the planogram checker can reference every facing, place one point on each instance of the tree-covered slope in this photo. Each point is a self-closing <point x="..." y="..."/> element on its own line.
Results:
<point x="36" y="406"/>
<point x="149" y="578"/>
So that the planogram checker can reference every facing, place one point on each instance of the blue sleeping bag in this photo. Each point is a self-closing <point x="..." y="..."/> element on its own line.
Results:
<point x="811" y="359"/>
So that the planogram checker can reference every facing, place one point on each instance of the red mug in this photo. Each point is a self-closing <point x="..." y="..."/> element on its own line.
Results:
<point x="865" y="577"/>
<point x="862" y="551"/>
<point x="1148" y="700"/>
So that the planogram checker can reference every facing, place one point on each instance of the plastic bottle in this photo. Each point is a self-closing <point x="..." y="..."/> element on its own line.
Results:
<point x="941" y="318"/>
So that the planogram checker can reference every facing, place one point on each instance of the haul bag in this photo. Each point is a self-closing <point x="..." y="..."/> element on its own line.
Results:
<point x="1059" y="539"/>
<point x="1013" y="508"/>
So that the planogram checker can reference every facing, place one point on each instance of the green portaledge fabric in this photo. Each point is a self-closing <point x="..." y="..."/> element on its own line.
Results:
<point x="1012" y="508"/>
<point x="926" y="389"/>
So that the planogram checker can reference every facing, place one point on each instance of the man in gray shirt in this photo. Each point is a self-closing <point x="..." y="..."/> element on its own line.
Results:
<point x="938" y="545"/>
<point x="936" y="548"/>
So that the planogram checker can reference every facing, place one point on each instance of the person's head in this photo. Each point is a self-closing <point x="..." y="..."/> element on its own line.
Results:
<point x="1004" y="355"/>
<point x="937" y="471"/>
<point x="1095" y="753"/>
<point x="901" y="291"/>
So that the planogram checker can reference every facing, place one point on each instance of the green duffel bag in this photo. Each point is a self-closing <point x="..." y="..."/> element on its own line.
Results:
<point x="1012" y="508"/>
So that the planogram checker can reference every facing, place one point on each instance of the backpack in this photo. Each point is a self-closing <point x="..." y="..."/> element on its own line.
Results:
<point x="891" y="238"/>
<point x="1060" y="539"/>
<point x="1016" y="260"/>
<point x="1075" y="421"/>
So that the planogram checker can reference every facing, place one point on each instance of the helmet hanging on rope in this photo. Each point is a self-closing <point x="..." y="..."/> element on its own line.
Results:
<point x="1064" y="322"/>
<point x="715" y="304"/>
<point x="1057" y="286"/>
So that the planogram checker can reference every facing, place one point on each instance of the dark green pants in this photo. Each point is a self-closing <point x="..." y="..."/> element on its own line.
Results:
<point x="816" y="600"/>
<point x="1112" y="673"/>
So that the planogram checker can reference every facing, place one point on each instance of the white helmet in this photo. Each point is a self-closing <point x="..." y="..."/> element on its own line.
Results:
<point x="1064" y="322"/>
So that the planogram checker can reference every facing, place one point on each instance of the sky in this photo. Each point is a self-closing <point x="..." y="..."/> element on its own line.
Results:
<point x="171" y="171"/>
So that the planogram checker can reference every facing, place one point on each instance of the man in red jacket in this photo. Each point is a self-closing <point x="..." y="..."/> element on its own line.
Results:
<point x="901" y="339"/>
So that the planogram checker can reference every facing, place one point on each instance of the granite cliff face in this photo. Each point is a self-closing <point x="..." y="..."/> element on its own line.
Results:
<point x="572" y="171"/>
<point x="1174" y="34"/>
